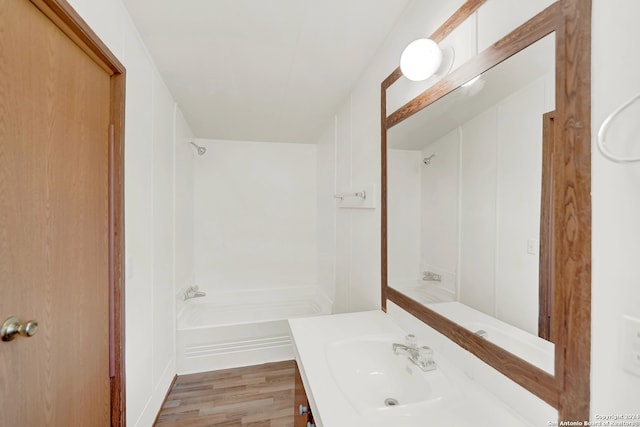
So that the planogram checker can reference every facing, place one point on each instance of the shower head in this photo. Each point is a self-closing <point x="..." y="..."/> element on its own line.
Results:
<point x="201" y="150"/>
<point x="427" y="160"/>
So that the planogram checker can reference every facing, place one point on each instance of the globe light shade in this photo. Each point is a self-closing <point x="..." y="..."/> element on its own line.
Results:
<point x="420" y="59"/>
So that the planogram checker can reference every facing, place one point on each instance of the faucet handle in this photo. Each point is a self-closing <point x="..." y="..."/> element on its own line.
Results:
<point x="411" y="341"/>
<point x="425" y="355"/>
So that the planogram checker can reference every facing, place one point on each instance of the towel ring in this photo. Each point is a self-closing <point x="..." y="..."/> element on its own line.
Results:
<point x="603" y="130"/>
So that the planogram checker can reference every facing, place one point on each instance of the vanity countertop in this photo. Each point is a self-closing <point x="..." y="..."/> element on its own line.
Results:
<point x="471" y="404"/>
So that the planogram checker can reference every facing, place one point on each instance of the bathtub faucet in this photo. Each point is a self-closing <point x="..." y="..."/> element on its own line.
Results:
<point x="421" y="357"/>
<point x="430" y="276"/>
<point x="193" y="292"/>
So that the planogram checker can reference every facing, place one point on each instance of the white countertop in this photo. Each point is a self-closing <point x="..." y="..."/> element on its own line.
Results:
<point x="472" y="405"/>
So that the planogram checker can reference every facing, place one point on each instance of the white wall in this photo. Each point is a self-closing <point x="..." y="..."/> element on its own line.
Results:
<point x="342" y="126"/>
<point x="519" y="161"/>
<point x="404" y="219"/>
<point x="439" y="208"/>
<point x="478" y="218"/>
<point x="325" y="211"/>
<point x="163" y="326"/>
<point x="501" y="170"/>
<point x="150" y="239"/>
<point x="255" y="215"/>
<point x="185" y="155"/>
<point x="616" y="207"/>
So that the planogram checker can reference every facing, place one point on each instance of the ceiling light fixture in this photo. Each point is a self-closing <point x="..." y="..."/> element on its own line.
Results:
<point x="420" y="59"/>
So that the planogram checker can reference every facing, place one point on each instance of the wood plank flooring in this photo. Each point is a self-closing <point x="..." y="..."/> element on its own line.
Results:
<point x="257" y="396"/>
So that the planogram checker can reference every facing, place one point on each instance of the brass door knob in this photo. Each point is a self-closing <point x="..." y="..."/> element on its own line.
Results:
<point x="12" y="327"/>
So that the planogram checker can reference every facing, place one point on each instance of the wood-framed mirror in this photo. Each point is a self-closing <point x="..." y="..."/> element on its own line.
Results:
<point x="544" y="202"/>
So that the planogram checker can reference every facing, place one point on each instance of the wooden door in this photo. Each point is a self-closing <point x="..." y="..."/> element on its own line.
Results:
<point x="55" y="115"/>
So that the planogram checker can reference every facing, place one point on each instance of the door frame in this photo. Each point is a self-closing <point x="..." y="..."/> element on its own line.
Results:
<point x="71" y="24"/>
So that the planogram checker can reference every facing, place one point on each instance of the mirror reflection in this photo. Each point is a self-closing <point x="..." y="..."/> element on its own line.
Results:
<point x="464" y="179"/>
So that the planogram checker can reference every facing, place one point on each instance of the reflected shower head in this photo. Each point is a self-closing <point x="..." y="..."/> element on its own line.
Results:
<point x="201" y="150"/>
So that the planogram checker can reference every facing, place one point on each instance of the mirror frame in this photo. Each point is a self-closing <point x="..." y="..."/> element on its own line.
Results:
<point x="568" y="389"/>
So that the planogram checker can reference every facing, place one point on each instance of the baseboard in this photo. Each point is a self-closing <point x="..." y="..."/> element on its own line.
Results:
<point x="166" y="396"/>
<point x="158" y="396"/>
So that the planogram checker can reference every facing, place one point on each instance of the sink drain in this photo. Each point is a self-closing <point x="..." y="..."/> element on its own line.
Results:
<point x="391" y="402"/>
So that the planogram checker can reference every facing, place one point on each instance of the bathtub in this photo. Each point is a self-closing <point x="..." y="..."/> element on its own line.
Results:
<point x="242" y="328"/>
<point x="425" y="292"/>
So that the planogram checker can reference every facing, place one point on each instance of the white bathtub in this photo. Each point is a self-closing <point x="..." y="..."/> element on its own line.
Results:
<point x="424" y="292"/>
<point x="232" y="329"/>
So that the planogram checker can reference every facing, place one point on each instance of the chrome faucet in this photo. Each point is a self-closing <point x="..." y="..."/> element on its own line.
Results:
<point x="482" y="334"/>
<point x="193" y="292"/>
<point x="421" y="357"/>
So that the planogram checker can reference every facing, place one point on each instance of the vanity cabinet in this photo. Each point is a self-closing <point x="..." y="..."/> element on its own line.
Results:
<point x="302" y="417"/>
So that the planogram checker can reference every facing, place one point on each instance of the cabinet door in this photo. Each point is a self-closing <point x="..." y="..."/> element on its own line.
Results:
<point x="300" y="400"/>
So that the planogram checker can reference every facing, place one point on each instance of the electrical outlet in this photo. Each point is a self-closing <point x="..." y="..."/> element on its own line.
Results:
<point x="631" y="345"/>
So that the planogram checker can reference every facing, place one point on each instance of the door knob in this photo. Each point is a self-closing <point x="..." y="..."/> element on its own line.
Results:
<point x="12" y="327"/>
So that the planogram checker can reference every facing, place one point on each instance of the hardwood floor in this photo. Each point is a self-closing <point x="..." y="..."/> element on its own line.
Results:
<point x="260" y="396"/>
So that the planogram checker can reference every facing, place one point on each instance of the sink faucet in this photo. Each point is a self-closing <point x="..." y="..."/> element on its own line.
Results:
<point x="482" y="334"/>
<point x="421" y="357"/>
<point x="193" y="292"/>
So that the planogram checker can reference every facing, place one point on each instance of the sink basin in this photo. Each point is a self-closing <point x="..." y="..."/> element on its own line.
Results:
<point x="372" y="377"/>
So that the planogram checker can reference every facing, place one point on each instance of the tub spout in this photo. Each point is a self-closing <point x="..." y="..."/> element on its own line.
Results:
<point x="193" y="292"/>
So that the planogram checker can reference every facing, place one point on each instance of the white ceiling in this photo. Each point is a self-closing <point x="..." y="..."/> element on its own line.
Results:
<point x="262" y="70"/>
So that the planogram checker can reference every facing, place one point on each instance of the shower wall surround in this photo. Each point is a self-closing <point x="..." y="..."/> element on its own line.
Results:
<point x="255" y="215"/>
